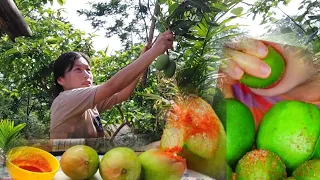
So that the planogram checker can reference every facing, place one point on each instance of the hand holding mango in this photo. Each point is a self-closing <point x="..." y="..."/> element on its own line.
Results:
<point x="261" y="71"/>
<point x="271" y="69"/>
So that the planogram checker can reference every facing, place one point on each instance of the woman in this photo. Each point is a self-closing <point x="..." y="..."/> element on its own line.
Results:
<point x="301" y="80"/>
<point x="75" y="111"/>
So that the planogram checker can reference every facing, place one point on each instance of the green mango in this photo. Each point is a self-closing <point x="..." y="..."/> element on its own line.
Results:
<point x="240" y="128"/>
<point x="158" y="164"/>
<point x="316" y="153"/>
<point x="120" y="163"/>
<point x="193" y="126"/>
<point x="162" y="62"/>
<point x="170" y="70"/>
<point x="277" y="65"/>
<point x="309" y="170"/>
<point x="290" y="129"/>
<point x="260" y="164"/>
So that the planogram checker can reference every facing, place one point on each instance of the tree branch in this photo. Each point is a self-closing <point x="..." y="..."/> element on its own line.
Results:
<point x="124" y="122"/>
<point x="292" y="20"/>
<point x="151" y="33"/>
<point x="144" y="20"/>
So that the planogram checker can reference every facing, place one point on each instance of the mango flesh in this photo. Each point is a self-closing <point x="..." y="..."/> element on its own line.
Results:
<point x="120" y="163"/>
<point x="79" y="162"/>
<point x="162" y="62"/>
<point x="277" y="65"/>
<point x="290" y="129"/>
<point x="171" y="69"/>
<point x="260" y="164"/>
<point x="308" y="170"/>
<point x="193" y="126"/>
<point x="214" y="166"/>
<point x="160" y="164"/>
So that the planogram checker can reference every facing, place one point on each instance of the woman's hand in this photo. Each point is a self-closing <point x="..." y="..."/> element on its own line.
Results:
<point x="245" y="56"/>
<point x="163" y="43"/>
<point x="129" y="75"/>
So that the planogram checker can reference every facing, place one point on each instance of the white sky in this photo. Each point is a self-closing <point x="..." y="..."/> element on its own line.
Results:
<point x="100" y="42"/>
<point x="253" y="25"/>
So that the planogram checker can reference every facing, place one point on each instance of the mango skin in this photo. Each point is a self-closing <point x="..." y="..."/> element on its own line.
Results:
<point x="316" y="153"/>
<point x="120" y="163"/>
<point x="240" y="129"/>
<point x="79" y="162"/>
<point x="171" y="69"/>
<point x="193" y="114"/>
<point x="260" y="164"/>
<point x="277" y="65"/>
<point x="162" y="62"/>
<point x="308" y="170"/>
<point x="290" y="129"/>
<point x="158" y="165"/>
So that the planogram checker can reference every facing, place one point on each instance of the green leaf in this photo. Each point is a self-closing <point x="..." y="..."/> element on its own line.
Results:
<point x="300" y="7"/>
<point x="272" y="19"/>
<point x="179" y="11"/>
<point x="228" y="28"/>
<point x="314" y="17"/>
<point x="61" y="2"/>
<point x="199" y="4"/>
<point x="5" y="90"/>
<point x="179" y="32"/>
<point x="227" y="20"/>
<point x="12" y="51"/>
<point x="162" y="1"/>
<point x="151" y="96"/>
<point x="220" y="7"/>
<point x="300" y="18"/>
<point x="202" y="29"/>
<point x="182" y="24"/>
<point x="287" y="2"/>
<point x="188" y="36"/>
<point x="9" y="133"/>
<point x="172" y="8"/>
<point x="286" y="30"/>
<point x="51" y="40"/>
<point x="237" y="11"/>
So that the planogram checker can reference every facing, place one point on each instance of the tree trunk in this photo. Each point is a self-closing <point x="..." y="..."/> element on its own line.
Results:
<point x="11" y="20"/>
<point x="151" y="31"/>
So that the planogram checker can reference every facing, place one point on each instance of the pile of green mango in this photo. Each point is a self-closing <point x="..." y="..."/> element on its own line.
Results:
<point x="168" y="66"/>
<point x="286" y="143"/>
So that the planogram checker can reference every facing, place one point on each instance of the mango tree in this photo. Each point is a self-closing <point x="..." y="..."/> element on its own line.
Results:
<point x="26" y="73"/>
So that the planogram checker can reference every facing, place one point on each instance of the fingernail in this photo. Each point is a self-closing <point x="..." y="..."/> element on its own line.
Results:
<point x="265" y="69"/>
<point x="262" y="49"/>
<point x="237" y="72"/>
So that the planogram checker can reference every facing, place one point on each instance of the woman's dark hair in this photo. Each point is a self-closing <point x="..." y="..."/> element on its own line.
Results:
<point x="64" y="63"/>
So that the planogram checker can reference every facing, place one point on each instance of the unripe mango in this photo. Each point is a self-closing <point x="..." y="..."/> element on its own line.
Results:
<point x="160" y="164"/>
<point x="291" y="130"/>
<point x="308" y="170"/>
<point x="170" y="70"/>
<point x="277" y="65"/>
<point x="162" y="62"/>
<point x="260" y="164"/>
